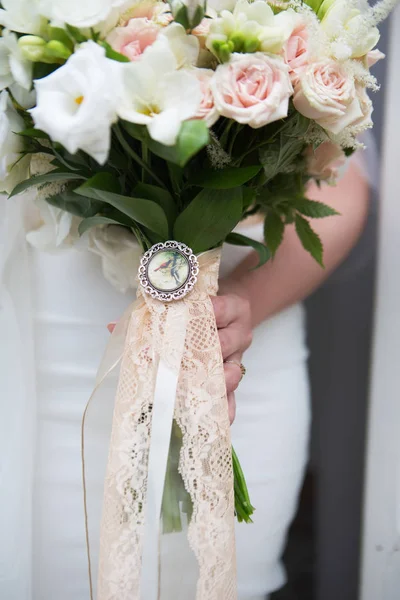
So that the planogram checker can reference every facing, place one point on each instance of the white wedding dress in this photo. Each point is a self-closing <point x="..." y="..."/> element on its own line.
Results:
<point x="42" y="547"/>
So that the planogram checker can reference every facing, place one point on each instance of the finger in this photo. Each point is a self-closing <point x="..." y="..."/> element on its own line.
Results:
<point x="231" y="340"/>
<point x="111" y="327"/>
<point x="231" y="407"/>
<point x="228" y="309"/>
<point x="233" y="373"/>
<point x="234" y="339"/>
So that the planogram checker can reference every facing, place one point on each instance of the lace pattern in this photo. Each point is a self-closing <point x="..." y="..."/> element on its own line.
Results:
<point x="205" y="460"/>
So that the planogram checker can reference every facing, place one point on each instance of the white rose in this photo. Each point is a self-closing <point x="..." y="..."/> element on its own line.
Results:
<point x="252" y="89"/>
<point x="76" y="105"/>
<point x="152" y="93"/>
<point x="79" y="13"/>
<point x="55" y="229"/>
<point x="326" y="93"/>
<point x="12" y="169"/>
<point x="21" y="16"/>
<point x="120" y="254"/>
<point x="14" y="68"/>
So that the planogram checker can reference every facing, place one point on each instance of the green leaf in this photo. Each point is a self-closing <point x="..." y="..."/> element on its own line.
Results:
<point x="95" y="222"/>
<point x="159" y="195"/>
<point x="280" y="157"/>
<point x="41" y="70"/>
<point x="309" y="239"/>
<point x="249" y="197"/>
<point x="104" y="181"/>
<point x="224" y="179"/>
<point x="34" y="133"/>
<point x="313" y="209"/>
<point x="41" y="179"/>
<point x="273" y="231"/>
<point x="192" y="138"/>
<point x="209" y="218"/>
<point x="138" y="132"/>
<point x="113" y="54"/>
<point x="70" y="202"/>
<point x="76" y="34"/>
<point x="237" y="239"/>
<point x="61" y="35"/>
<point x="144" y="212"/>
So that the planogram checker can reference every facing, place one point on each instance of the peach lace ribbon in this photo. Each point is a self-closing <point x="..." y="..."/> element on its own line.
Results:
<point x="170" y="367"/>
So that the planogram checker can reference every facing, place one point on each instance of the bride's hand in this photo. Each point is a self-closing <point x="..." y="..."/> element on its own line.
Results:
<point x="233" y="315"/>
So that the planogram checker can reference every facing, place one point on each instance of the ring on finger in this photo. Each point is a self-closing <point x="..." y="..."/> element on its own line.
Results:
<point x="239" y="364"/>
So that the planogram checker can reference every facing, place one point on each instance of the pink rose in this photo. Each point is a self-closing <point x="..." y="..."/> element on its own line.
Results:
<point x="296" y="52"/>
<point x="252" y="89"/>
<point x="365" y="121"/>
<point x="325" y="161"/>
<point x="326" y="93"/>
<point x="133" y="39"/>
<point x="207" y="110"/>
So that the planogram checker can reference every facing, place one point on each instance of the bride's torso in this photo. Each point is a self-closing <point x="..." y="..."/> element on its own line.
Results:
<point x="72" y="304"/>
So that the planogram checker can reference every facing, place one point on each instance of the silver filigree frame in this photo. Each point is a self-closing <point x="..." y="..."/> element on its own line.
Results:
<point x="185" y="288"/>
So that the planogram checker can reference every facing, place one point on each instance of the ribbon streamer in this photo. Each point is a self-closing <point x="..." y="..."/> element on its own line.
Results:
<point x="171" y="367"/>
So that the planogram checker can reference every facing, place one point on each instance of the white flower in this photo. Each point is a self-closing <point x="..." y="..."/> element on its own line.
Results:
<point x="219" y="5"/>
<point x="12" y="169"/>
<point x="25" y="98"/>
<point x="251" y="27"/>
<point x="21" y="16"/>
<point x="185" y="47"/>
<point x="155" y="94"/>
<point x="79" y="13"/>
<point x="13" y="66"/>
<point x="120" y="254"/>
<point x="350" y="33"/>
<point x="55" y="229"/>
<point x="76" y="103"/>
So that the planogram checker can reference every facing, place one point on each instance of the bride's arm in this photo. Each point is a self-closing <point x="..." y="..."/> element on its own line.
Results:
<point x="292" y="275"/>
<point x="248" y="297"/>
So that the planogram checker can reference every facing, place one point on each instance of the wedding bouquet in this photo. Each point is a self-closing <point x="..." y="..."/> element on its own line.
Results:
<point x="176" y="121"/>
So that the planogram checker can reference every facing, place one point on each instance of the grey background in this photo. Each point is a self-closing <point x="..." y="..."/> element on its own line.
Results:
<point x="340" y="321"/>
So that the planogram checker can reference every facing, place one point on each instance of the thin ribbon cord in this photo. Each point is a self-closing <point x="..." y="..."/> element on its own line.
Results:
<point x="103" y="372"/>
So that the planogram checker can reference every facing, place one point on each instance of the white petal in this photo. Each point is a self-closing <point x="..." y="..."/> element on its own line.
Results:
<point x="185" y="47"/>
<point x="170" y="93"/>
<point x="164" y="128"/>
